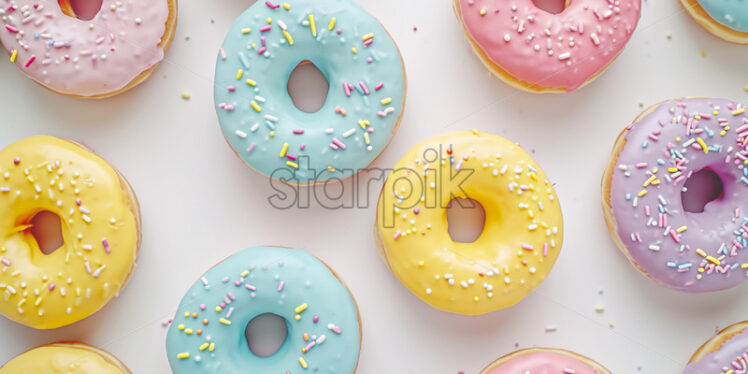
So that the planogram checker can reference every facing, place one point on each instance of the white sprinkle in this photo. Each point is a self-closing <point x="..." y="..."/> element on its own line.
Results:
<point x="241" y="134"/>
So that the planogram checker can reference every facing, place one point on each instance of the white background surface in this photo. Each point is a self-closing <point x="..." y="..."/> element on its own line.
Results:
<point x="201" y="204"/>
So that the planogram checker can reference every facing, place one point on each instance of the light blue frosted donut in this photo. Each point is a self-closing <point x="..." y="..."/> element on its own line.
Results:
<point x="207" y="335"/>
<point x="352" y="50"/>
<point x="731" y="13"/>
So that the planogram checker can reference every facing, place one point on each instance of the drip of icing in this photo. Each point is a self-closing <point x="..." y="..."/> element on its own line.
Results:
<point x="561" y="51"/>
<point x="731" y="357"/>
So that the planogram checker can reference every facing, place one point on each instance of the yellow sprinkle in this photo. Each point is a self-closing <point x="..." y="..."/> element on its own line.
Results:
<point x="298" y="317"/>
<point x="251" y="82"/>
<point x="292" y="164"/>
<point x="288" y="37"/>
<point x="655" y="170"/>
<point x="386" y="101"/>
<point x="476" y="299"/>
<point x="331" y="169"/>
<point x="180" y="327"/>
<point x="701" y="252"/>
<point x="420" y="264"/>
<point x="269" y="20"/>
<point x="246" y="30"/>
<point x="244" y="273"/>
<point x="648" y="181"/>
<point x="367" y="36"/>
<point x="239" y="74"/>
<point x="303" y="362"/>
<point x="186" y="314"/>
<point x="701" y="270"/>
<point x="722" y="133"/>
<point x="483" y="12"/>
<point x="284" y="149"/>
<point x="642" y="193"/>
<point x="204" y="346"/>
<point x="677" y="139"/>
<point x="332" y="26"/>
<point x="186" y="95"/>
<point x="272" y="134"/>
<point x="312" y="25"/>
<point x="366" y="138"/>
<point x="681" y="229"/>
<point x="255" y="106"/>
<point x="702" y="144"/>
<point x="713" y="260"/>
<point x="745" y="88"/>
<point x="218" y="309"/>
<point x="188" y="331"/>
<point x="672" y="170"/>
<point x="212" y="347"/>
<point x="286" y="6"/>
<point x="14" y="55"/>
<point x="224" y="321"/>
<point x="744" y="266"/>
<point x="703" y="53"/>
<point x="738" y="111"/>
<point x="183" y="355"/>
<point x="301" y="308"/>
<point x="715" y="112"/>
<point x="354" y="50"/>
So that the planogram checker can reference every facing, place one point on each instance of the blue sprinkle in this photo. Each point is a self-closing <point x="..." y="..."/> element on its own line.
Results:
<point x="661" y="208"/>
<point x="532" y="169"/>
<point x="270" y="125"/>
<point x="36" y="36"/>
<point x="51" y="42"/>
<point x="709" y="132"/>
<point x="628" y="196"/>
<point x="745" y="171"/>
<point x="745" y="180"/>
<point x="671" y="264"/>
<point x="645" y="144"/>
<point x="685" y="266"/>
<point x="660" y="162"/>
<point x="359" y="89"/>
<point x="243" y="60"/>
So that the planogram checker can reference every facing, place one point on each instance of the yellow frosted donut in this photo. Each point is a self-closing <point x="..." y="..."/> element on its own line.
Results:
<point x="522" y="234"/>
<point x="65" y="358"/>
<point x="100" y="224"/>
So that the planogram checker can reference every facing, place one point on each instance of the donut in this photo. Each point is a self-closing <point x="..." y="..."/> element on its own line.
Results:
<point x="726" y="19"/>
<point x="207" y="335"/>
<point x="364" y="104"/>
<point x="643" y="188"/>
<point x="521" y="238"/>
<point x="544" y="360"/>
<point x="109" y="54"/>
<point x="726" y="353"/>
<point x="65" y="358"/>
<point x="536" y="51"/>
<point x="100" y="225"/>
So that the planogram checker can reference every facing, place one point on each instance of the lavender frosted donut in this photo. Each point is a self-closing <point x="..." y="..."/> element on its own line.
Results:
<point x="643" y="188"/>
<point x="725" y="353"/>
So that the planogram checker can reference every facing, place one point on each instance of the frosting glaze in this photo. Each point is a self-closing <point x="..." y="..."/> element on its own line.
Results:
<point x="695" y="252"/>
<point x="731" y="13"/>
<point x="84" y="58"/>
<point x="99" y="227"/>
<point x="64" y="358"/>
<point x="542" y="361"/>
<point x="364" y="103"/>
<point x="730" y="358"/>
<point x="523" y="229"/>
<point x="207" y="335"/>
<point x="561" y="51"/>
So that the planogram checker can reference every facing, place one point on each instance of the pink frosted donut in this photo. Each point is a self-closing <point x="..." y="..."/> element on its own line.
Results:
<point x="537" y="51"/>
<point x="544" y="361"/>
<point x="101" y="57"/>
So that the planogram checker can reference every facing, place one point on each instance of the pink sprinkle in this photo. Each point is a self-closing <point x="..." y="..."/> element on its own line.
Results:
<point x="363" y="87"/>
<point x="271" y="6"/>
<point x="641" y="165"/>
<point x="223" y="54"/>
<point x="280" y="286"/>
<point x="263" y="41"/>
<point x="5" y="261"/>
<point x="346" y="89"/>
<point x="105" y="243"/>
<point x="223" y="305"/>
<point x="11" y="28"/>
<point x="378" y="87"/>
<point x="290" y="157"/>
<point x="237" y="283"/>
<point x="250" y="287"/>
<point x="333" y="146"/>
<point x="16" y="161"/>
<point x="397" y="234"/>
<point x="368" y="42"/>
<point x="339" y="31"/>
<point x="232" y="88"/>
<point x="302" y="146"/>
<point x="231" y="296"/>
<point x="338" y="143"/>
<point x="369" y="60"/>
<point x="527" y="247"/>
<point x="381" y="114"/>
<point x="30" y="61"/>
<point x="266" y="28"/>
<point x="261" y="50"/>
<point x="298" y="131"/>
<point x="202" y="307"/>
<point x="51" y="286"/>
<point x="251" y="147"/>
<point x="545" y="250"/>
<point x="315" y="319"/>
<point x="674" y="236"/>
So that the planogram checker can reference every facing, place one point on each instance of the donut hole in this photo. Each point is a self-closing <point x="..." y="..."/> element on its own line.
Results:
<point x="266" y="334"/>
<point x="308" y="87"/>
<point x="550" y="6"/>
<point x="46" y="228"/>
<point x="84" y="10"/>
<point x="466" y="219"/>
<point x="701" y="188"/>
